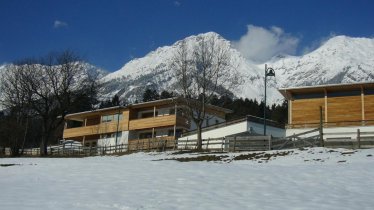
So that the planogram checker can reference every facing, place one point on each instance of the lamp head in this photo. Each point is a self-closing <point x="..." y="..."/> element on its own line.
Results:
<point x="270" y="72"/>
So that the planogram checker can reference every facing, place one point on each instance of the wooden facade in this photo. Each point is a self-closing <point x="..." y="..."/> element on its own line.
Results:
<point x="143" y="117"/>
<point x="341" y="105"/>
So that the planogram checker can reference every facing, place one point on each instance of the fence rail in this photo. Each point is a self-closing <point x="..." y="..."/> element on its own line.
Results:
<point x="239" y="143"/>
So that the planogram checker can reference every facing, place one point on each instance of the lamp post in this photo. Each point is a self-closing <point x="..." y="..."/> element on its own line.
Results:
<point x="269" y="72"/>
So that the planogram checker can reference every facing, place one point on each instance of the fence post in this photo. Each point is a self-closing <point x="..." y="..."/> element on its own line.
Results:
<point x="223" y="141"/>
<point x="185" y="147"/>
<point x="321" y="127"/>
<point x="234" y="143"/>
<point x="269" y="139"/>
<point x="358" y="139"/>
<point x="207" y="143"/>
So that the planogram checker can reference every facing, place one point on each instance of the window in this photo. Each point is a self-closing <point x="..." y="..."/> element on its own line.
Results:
<point x="119" y="134"/>
<point x="117" y="117"/>
<point x="110" y="118"/>
<point x="145" y="135"/>
<point x="217" y="121"/>
<point x="148" y="114"/>
<point x="178" y="133"/>
<point x="108" y="135"/>
<point x="107" y="118"/>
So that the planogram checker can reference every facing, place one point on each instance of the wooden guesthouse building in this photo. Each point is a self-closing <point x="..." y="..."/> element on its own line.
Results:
<point x="340" y="108"/>
<point x="155" y="120"/>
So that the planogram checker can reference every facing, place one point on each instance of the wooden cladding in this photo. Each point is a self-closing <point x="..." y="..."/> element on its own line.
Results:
<point x="369" y="107"/>
<point x="152" y="122"/>
<point x="306" y="110"/>
<point x="125" y="124"/>
<point x="102" y="128"/>
<point x="339" y="110"/>
<point x="346" y="108"/>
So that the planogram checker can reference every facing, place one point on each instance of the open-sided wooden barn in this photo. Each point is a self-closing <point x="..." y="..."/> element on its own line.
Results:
<point x="340" y="107"/>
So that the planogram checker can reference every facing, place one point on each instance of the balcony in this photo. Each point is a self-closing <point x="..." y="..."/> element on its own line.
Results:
<point x="102" y="128"/>
<point x="160" y="121"/>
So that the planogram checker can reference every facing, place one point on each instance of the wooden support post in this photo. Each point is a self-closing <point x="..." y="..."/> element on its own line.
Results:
<point x="321" y="127"/>
<point x="326" y="116"/>
<point x="358" y="139"/>
<point x="362" y="106"/>
<point x="207" y="143"/>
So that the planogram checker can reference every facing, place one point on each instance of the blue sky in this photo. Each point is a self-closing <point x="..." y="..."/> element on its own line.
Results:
<point x="110" y="33"/>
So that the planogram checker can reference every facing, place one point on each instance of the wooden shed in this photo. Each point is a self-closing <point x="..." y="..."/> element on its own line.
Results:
<point x="339" y="106"/>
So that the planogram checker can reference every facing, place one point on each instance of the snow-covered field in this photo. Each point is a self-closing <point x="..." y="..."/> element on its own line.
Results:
<point x="304" y="179"/>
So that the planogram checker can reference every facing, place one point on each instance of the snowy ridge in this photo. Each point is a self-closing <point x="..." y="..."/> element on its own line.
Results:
<point x="341" y="59"/>
<point x="153" y="71"/>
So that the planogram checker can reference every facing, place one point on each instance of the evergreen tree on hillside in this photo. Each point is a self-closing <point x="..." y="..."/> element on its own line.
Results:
<point x="150" y="95"/>
<point x="166" y="94"/>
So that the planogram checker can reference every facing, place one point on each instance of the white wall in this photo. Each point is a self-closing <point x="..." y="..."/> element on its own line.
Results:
<point x="220" y="132"/>
<point x="239" y="127"/>
<point x="342" y="130"/>
<point x="112" y="141"/>
<point x="258" y="128"/>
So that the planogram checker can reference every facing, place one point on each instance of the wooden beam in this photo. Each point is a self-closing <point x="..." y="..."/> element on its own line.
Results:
<point x="289" y="111"/>
<point x="326" y="119"/>
<point x="362" y="103"/>
<point x="175" y="113"/>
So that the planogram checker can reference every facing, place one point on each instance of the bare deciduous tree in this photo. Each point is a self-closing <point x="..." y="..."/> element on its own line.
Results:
<point x="47" y="89"/>
<point x="202" y="71"/>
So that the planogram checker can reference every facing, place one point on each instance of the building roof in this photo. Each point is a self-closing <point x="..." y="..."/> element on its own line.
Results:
<point x="288" y="92"/>
<point x="80" y="115"/>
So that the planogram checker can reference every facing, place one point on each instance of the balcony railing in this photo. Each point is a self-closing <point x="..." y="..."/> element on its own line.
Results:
<point x="102" y="128"/>
<point x="332" y="124"/>
<point x="136" y="124"/>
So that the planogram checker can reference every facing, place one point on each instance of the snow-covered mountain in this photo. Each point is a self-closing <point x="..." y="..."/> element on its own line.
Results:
<point x="339" y="60"/>
<point x="153" y="71"/>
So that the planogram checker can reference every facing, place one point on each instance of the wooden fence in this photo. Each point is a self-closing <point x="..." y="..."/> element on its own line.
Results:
<point x="207" y="144"/>
<point x="233" y="144"/>
<point x="345" y="140"/>
<point x="159" y="144"/>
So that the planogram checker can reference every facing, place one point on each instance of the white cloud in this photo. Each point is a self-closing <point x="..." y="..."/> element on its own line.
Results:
<point x="177" y="3"/>
<point x="59" y="24"/>
<point x="260" y="44"/>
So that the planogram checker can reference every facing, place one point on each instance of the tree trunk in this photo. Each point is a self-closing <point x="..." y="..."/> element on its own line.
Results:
<point x="44" y="142"/>
<point x="199" y="139"/>
<point x="43" y="146"/>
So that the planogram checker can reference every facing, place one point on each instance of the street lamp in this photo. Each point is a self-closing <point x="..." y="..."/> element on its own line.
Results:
<point x="269" y="72"/>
